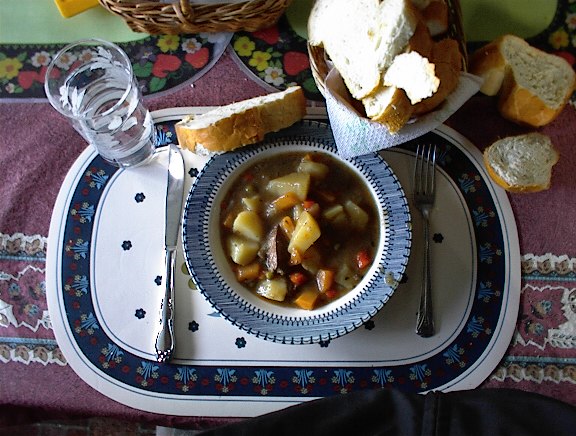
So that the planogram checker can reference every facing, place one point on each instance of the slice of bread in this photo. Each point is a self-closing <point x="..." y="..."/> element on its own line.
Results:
<point x="532" y="86"/>
<point x="245" y="122"/>
<point x="362" y="38"/>
<point x="521" y="163"/>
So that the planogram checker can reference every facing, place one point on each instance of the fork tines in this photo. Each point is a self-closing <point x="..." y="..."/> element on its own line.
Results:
<point x="424" y="174"/>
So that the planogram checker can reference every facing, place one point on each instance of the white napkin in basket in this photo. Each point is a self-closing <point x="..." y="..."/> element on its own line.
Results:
<point x="356" y="135"/>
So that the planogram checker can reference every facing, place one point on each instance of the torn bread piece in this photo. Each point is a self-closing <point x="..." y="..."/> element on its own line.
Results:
<point x="413" y="73"/>
<point x="362" y="41"/>
<point x="389" y="106"/>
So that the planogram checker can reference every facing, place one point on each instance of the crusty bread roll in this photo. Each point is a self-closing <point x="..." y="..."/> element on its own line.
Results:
<point x="521" y="163"/>
<point x="245" y="122"/>
<point x="532" y="86"/>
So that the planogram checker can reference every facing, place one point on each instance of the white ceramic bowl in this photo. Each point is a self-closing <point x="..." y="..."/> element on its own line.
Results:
<point x="213" y="275"/>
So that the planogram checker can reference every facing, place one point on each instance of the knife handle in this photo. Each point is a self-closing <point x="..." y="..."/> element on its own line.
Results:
<point x="165" y="339"/>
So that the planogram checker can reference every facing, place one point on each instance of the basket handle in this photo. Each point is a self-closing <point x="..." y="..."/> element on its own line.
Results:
<point x="184" y="11"/>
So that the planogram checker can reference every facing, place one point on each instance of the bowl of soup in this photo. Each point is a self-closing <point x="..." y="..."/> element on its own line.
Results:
<point x="292" y="243"/>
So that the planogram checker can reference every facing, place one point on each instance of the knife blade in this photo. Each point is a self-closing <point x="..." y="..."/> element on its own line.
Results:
<point x="174" y="193"/>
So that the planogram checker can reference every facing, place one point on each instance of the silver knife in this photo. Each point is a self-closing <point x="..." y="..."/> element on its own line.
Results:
<point x="174" y="193"/>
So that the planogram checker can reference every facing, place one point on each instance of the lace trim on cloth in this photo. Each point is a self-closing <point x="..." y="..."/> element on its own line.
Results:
<point x="25" y="328"/>
<point x="543" y="348"/>
<point x="548" y="264"/>
<point x="19" y="246"/>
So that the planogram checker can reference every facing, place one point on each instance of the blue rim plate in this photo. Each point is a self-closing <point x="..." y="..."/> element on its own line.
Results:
<point x="209" y="269"/>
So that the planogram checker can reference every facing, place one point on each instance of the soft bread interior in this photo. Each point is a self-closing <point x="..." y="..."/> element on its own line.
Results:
<point x="532" y="86"/>
<point x="415" y="74"/>
<point x="546" y="75"/>
<point x="246" y="122"/>
<point x="362" y="41"/>
<point x="523" y="161"/>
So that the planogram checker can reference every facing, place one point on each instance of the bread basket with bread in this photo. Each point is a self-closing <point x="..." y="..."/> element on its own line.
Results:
<point x="195" y="16"/>
<point x="390" y="70"/>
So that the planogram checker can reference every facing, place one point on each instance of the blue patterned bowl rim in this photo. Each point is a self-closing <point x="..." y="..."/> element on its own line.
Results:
<point x="212" y="275"/>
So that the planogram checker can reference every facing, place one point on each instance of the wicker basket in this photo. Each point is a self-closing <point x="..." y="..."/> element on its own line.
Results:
<point x="320" y="64"/>
<point x="155" y="17"/>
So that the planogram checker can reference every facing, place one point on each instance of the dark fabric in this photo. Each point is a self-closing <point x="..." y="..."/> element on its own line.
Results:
<point x="383" y="412"/>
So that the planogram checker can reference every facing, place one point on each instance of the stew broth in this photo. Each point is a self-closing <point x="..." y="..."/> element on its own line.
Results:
<point x="299" y="229"/>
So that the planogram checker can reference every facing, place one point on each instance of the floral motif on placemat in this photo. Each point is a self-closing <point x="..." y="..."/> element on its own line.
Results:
<point x="543" y="349"/>
<point x="159" y="62"/>
<point x="548" y="302"/>
<point x="277" y="56"/>
<point x="546" y="317"/>
<point x="22" y="283"/>
<point x="25" y="328"/>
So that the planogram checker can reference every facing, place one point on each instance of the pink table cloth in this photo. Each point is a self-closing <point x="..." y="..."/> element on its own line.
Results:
<point x="37" y="147"/>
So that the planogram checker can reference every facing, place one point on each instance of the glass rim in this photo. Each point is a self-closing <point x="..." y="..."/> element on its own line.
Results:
<point x="87" y="42"/>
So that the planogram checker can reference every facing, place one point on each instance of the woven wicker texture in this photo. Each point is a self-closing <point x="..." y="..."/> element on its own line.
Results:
<point x="155" y="17"/>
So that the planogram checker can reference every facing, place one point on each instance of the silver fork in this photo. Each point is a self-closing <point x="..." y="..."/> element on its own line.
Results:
<point x="424" y="188"/>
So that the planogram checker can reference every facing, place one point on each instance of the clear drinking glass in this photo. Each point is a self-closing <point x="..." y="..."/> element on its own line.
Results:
<point x="92" y="83"/>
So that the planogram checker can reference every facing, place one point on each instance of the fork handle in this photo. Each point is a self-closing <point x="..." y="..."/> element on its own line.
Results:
<point x="425" y="319"/>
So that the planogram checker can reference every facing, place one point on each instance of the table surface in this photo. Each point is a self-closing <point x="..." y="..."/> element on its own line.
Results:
<point x="38" y="147"/>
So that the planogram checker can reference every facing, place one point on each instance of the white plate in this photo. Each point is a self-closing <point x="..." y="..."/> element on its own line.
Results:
<point x="103" y="297"/>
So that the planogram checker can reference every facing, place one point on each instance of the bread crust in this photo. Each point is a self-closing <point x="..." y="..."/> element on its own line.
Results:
<point x="396" y="113"/>
<point x="552" y="158"/>
<point x="515" y="189"/>
<point x="521" y="106"/>
<point x="247" y="125"/>
<point x="421" y="41"/>
<point x="435" y="16"/>
<point x="448" y="61"/>
<point x="495" y="64"/>
<point x="489" y="63"/>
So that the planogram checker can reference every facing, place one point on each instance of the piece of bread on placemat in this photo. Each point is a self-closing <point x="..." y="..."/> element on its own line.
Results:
<point x="532" y="86"/>
<point x="245" y="122"/>
<point x="521" y="163"/>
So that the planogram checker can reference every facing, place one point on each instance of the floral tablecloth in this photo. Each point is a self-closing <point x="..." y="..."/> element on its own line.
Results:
<point x="207" y="70"/>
